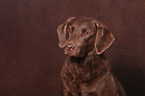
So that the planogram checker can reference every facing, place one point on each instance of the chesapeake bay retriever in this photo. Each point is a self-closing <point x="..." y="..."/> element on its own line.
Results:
<point x="86" y="71"/>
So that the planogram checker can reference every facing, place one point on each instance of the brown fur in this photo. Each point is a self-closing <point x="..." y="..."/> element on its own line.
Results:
<point x="86" y="71"/>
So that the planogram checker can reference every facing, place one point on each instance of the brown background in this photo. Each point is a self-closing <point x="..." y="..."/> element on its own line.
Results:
<point x="30" y="59"/>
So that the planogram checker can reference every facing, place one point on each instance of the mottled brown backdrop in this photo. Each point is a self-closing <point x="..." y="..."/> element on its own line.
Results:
<point x="30" y="59"/>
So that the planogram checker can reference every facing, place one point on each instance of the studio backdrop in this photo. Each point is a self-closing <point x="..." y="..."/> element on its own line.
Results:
<point x="30" y="59"/>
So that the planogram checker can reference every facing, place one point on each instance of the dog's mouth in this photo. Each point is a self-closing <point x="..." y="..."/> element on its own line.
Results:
<point x="73" y="52"/>
<point x="69" y="51"/>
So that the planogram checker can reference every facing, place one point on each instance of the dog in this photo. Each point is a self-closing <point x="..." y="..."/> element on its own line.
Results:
<point x="86" y="71"/>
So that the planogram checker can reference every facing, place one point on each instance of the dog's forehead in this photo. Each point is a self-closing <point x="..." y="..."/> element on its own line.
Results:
<point x="82" y="22"/>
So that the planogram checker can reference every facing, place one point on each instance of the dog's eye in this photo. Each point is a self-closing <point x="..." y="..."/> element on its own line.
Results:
<point x="86" y="33"/>
<point x="69" y="29"/>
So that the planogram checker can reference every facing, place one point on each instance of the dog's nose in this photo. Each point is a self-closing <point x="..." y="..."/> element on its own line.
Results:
<point x="70" y="47"/>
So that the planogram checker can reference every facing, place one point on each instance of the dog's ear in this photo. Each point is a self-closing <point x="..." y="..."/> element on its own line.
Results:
<point x="61" y="31"/>
<point x="104" y="38"/>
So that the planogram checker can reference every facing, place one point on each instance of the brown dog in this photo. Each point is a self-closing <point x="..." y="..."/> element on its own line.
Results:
<point x="86" y="71"/>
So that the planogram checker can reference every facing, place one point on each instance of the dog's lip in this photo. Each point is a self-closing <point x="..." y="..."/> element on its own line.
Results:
<point x="70" y="53"/>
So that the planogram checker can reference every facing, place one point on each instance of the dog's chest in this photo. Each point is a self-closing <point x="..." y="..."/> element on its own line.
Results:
<point x="80" y="71"/>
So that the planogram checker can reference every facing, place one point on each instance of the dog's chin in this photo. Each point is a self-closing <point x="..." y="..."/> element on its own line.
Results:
<point x="73" y="54"/>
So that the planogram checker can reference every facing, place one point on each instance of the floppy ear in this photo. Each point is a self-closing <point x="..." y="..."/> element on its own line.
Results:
<point x="61" y="32"/>
<point x="104" y="38"/>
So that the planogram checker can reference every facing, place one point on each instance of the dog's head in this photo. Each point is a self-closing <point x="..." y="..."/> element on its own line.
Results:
<point x="80" y="35"/>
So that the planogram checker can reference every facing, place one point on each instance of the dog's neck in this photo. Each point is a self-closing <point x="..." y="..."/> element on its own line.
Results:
<point x="90" y="56"/>
<point x="91" y="64"/>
